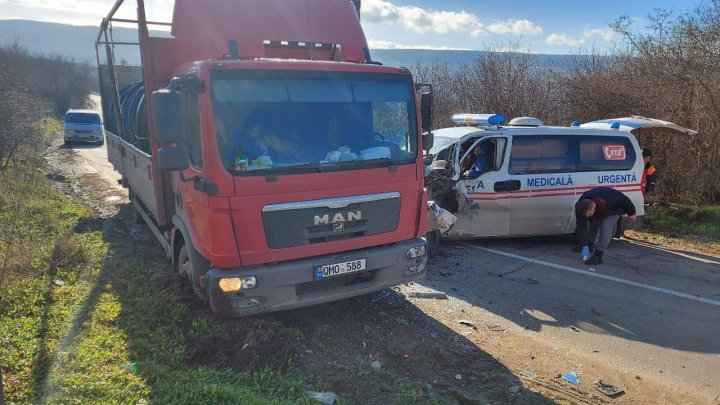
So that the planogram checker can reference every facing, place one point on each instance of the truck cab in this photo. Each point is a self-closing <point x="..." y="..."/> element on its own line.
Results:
<point x="284" y="166"/>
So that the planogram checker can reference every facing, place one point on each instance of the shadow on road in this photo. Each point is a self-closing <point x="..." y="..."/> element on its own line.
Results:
<point x="534" y="296"/>
<point x="330" y="346"/>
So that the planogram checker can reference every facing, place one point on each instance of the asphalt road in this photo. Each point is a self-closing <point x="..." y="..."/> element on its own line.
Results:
<point x="647" y="311"/>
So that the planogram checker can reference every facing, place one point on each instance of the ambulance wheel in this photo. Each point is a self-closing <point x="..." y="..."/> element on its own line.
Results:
<point x="433" y="242"/>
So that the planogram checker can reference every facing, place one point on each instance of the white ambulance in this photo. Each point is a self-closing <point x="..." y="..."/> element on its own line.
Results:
<point x="524" y="178"/>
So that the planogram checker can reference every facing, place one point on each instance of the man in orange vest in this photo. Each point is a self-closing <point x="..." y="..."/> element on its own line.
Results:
<point x="649" y="178"/>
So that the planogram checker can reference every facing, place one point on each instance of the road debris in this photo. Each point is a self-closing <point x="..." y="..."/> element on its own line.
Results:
<point x="467" y="323"/>
<point x="377" y="365"/>
<point x="496" y="328"/>
<point x="530" y="374"/>
<point x="608" y="389"/>
<point x="327" y="398"/>
<point x="458" y="376"/>
<point x="528" y="280"/>
<point x="380" y="297"/>
<point x="429" y="295"/>
<point x="131" y="368"/>
<point x="572" y="378"/>
<point x="592" y="269"/>
<point x="514" y="389"/>
<point x="575" y="329"/>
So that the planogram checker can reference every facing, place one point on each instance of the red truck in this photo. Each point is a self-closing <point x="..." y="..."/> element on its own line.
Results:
<point x="278" y="165"/>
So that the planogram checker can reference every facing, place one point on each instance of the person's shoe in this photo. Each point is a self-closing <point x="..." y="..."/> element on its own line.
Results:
<point x="596" y="258"/>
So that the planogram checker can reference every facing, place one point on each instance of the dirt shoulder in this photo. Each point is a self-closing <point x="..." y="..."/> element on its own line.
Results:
<point x="386" y="347"/>
<point x="677" y="241"/>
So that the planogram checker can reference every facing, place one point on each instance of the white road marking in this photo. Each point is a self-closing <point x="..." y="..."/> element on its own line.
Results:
<point x="597" y="275"/>
<point x="651" y="246"/>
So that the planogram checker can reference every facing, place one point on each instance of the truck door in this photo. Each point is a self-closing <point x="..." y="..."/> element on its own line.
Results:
<point x="191" y="202"/>
<point x="483" y="209"/>
<point x="543" y="166"/>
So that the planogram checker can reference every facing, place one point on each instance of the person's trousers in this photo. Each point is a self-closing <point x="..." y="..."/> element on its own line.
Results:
<point x="602" y="232"/>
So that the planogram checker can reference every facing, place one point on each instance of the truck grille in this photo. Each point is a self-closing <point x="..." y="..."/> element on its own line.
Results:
<point x="319" y="221"/>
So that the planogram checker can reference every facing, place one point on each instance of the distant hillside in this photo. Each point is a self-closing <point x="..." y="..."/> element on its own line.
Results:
<point x="60" y="39"/>
<point x="79" y="43"/>
<point x="410" y="57"/>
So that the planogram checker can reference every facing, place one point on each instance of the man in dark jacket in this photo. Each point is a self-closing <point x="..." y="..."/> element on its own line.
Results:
<point x="597" y="212"/>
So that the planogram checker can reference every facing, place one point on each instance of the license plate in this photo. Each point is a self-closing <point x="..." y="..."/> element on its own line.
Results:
<point x="335" y="269"/>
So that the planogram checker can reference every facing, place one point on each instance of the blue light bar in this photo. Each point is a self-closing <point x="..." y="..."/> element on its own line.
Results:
<point x="576" y="123"/>
<point x="478" y="119"/>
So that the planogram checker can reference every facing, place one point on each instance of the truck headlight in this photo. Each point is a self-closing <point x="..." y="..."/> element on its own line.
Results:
<point x="418" y="251"/>
<point x="233" y="284"/>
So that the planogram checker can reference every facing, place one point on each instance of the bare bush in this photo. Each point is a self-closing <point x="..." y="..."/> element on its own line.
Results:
<point x="671" y="72"/>
<point x="675" y="75"/>
<point x="19" y="117"/>
<point x="31" y="88"/>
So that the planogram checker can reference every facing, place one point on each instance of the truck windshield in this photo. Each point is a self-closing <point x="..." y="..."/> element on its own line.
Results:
<point x="312" y="122"/>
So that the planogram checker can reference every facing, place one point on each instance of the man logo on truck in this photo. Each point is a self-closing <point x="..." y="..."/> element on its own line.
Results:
<point x="339" y="217"/>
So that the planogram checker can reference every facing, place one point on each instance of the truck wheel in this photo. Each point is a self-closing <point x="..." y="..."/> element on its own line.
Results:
<point x="433" y="242"/>
<point x="185" y="269"/>
<point x="136" y="217"/>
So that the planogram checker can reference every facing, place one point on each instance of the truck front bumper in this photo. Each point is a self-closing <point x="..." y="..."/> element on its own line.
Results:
<point x="292" y="284"/>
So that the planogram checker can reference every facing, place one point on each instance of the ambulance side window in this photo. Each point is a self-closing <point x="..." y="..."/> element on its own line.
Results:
<point x="605" y="153"/>
<point x="485" y="156"/>
<point x="542" y="154"/>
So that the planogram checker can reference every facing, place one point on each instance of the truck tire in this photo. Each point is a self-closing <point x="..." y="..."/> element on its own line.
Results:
<point x="136" y="217"/>
<point x="184" y="267"/>
<point x="433" y="242"/>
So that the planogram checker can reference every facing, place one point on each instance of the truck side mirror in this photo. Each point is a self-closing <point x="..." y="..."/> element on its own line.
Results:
<point x="426" y="100"/>
<point x="173" y="158"/>
<point x="167" y="115"/>
<point x="428" y="140"/>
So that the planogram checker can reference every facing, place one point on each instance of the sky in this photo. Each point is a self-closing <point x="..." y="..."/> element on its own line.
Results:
<point x="550" y="26"/>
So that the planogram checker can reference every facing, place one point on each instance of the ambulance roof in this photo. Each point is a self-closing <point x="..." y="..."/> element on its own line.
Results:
<point x="462" y="131"/>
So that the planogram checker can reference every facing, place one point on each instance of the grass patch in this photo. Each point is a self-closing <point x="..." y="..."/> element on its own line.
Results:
<point x="702" y="221"/>
<point x="87" y="317"/>
<point x="44" y="271"/>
